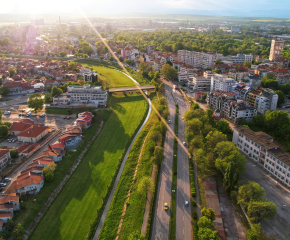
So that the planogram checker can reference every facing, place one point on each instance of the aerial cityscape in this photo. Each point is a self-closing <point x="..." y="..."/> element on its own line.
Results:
<point x="156" y="120"/>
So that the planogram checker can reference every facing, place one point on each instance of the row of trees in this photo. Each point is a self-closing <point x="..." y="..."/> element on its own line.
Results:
<point x="205" y="227"/>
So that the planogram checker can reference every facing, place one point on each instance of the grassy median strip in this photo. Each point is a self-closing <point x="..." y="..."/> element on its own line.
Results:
<point x="80" y="201"/>
<point x="172" y="221"/>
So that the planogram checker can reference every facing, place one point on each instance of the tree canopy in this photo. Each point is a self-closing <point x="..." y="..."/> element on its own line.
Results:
<point x="169" y="71"/>
<point x="35" y="101"/>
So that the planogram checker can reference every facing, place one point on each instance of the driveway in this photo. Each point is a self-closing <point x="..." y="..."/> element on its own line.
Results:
<point x="161" y="217"/>
<point x="276" y="193"/>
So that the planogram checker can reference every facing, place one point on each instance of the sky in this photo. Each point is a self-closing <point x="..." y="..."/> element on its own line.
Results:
<point x="216" y="7"/>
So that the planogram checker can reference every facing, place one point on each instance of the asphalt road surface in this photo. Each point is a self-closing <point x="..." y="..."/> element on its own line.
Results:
<point x="183" y="213"/>
<point x="276" y="193"/>
<point x="161" y="217"/>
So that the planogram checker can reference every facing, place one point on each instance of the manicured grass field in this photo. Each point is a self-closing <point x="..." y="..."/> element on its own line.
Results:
<point x="61" y="111"/>
<point x="110" y="76"/>
<point x="74" y="209"/>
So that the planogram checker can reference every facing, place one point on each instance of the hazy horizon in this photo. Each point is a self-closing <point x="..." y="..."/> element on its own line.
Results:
<point x="245" y="8"/>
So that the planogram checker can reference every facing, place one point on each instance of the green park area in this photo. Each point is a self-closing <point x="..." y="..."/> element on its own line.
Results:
<point x="77" y="205"/>
<point x="109" y="74"/>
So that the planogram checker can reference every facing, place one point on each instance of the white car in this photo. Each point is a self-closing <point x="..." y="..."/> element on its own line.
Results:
<point x="186" y="203"/>
<point x="169" y="121"/>
<point x="184" y="143"/>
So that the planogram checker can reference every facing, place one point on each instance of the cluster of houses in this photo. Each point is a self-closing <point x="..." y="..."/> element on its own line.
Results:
<point x="31" y="179"/>
<point x="41" y="74"/>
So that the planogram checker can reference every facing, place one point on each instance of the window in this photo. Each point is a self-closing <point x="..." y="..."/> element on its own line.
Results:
<point x="277" y="167"/>
<point x="272" y="170"/>
<point x="278" y="161"/>
<point x="275" y="173"/>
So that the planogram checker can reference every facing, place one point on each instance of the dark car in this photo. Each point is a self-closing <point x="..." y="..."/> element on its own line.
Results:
<point x="68" y="118"/>
<point x="64" y="117"/>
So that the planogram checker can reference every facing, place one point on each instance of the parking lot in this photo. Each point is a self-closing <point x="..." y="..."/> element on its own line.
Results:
<point x="51" y="120"/>
<point x="276" y="193"/>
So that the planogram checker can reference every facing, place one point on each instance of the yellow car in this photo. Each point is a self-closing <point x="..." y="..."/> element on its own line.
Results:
<point x="165" y="206"/>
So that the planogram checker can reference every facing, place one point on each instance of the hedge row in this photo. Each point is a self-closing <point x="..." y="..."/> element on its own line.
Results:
<point x="96" y="221"/>
<point x="192" y="182"/>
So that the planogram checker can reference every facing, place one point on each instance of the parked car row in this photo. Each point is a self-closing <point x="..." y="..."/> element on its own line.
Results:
<point x="66" y="118"/>
<point x="7" y="112"/>
<point x="11" y="140"/>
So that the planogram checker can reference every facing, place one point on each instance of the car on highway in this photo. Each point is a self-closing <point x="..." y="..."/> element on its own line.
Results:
<point x="169" y="121"/>
<point x="2" y="184"/>
<point x="7" y="179"/>
<point x="68" y="118"/>
<point x="64" y="117"/>
<point x="165" y="206"/>
<point x="186" y="203"/>
<point x="184" y="143"/>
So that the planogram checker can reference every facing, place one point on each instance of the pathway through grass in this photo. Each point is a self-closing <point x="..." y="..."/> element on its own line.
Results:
<point x="75" y="208"/>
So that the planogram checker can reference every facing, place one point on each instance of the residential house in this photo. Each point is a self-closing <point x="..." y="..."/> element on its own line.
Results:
<point x="33" y="134"/>
<point x="11" y="199"/>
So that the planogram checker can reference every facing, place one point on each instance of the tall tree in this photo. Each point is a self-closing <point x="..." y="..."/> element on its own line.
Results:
<point x="261" y="210"/>
<point x="55" y="91"/>
<point x="208" y="212"/>
<point x="35" y="101"/>
<point x="169" y="71"/>
<point x="281" y="97"/>
<point x="4" y="90"/>
<point x="250" y="191"/>
<point x="145" y="185"/>
<point x="213" y="138"/>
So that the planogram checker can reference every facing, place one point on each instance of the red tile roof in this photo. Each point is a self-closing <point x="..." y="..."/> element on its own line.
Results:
<point x="3" y="152"/>
<point x="33" y="131"/>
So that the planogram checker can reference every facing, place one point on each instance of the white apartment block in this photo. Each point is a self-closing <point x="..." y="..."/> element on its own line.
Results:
<point x="200" y="83"/>
<point x="222" y="83"/>
<point x="276" y="49"/>
<point x="259" y="146"/>
<point x="82" y="95"/>
<point x="267" y="101"/>
<point x="239" y="59"/>
<point x="196" y="59"/>
<point x="183" y="77"/>
<point x="91" y="76"/>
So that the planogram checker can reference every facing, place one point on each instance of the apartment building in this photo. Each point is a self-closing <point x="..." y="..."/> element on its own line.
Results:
<point x="252" y="95"/>
<point x="183" y="77"/>
<point x="91" y="76"/>
<point x="259" y="146"/>
<point x="276" y="49"/>
<point x="267" y="100"/>
<point x="82" y="95"/>
<point x="196" y="59"/>
<point x="200" y="83"/>
<point x="222" y="83"/>
<point x="231" y="108"/>
<point x="239" y="59"/>
<point x="237" y="75"/>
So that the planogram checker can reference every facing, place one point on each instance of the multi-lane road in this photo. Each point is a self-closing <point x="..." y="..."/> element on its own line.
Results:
<point x="161" y="217"/>
<point x="183" y="213"/>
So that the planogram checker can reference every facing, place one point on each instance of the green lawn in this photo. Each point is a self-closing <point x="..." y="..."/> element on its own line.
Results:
<point x="74" y="209"/>
<point x="110" y="76"/>
<point x="25" y="217"/>
<point x="61" y="111"/>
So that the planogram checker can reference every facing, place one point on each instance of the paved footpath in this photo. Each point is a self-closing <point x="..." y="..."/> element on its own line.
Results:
<point x="161" y="217"/>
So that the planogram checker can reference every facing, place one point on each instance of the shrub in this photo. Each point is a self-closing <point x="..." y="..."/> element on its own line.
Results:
<point x="13" y="153"/>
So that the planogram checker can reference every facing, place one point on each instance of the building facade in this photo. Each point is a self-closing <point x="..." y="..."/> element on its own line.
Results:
<point x="196" y="59"/>
<point x="276" y="49"/>
<point x="259" y="146"/>
<point x="222" y="83"/>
